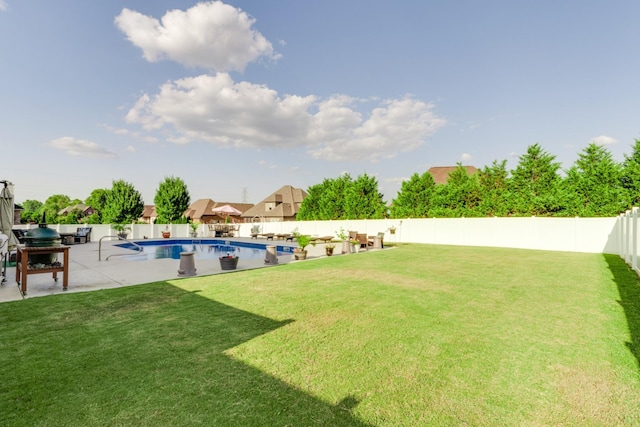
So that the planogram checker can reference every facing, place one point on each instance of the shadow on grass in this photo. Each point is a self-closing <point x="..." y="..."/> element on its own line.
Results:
<point x="145" y="355"/>
<point x="629" y="289"/>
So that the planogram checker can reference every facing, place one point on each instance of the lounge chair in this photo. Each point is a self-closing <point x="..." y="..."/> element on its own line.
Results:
<point x="255" y="231"/>
<point x="323" y="239"/>
<point x="83" y="235"/>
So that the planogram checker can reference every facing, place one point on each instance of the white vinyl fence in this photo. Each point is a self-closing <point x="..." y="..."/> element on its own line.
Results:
<point x="617" y="235"/>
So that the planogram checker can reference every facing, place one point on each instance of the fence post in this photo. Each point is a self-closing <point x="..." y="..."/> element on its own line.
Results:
<point x="634" y="239"/>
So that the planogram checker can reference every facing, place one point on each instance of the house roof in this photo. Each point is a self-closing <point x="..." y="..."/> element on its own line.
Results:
<point x="441" y="173"/>
<point x="203" y="208"/>
<point x="283" y="203"/>
<point x="149" y="211"/>
<point x="79" y="207"/>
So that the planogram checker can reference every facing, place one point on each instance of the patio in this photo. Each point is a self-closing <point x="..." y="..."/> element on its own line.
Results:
<point x="86" y="273"/>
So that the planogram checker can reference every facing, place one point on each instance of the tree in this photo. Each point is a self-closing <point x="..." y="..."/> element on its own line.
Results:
<point x="494" y="193"/>
<point x="631" y="175"/>
<point x="362" y="199"/>
<point x="333" y="196"/>
<point x="535" y="184"/>
<point x="414" y="198"/>
<point x="97" y="200"/>
<point x="32" y="211"/>
<point x="172" y="200"/>
<point x="595" y="184"/>
<point x="53" y="205"/>
<point x="123" y="204"/>
<point x="310" y="207"/>
<point x="459" y="197"/>
<point x="325" y="201"/>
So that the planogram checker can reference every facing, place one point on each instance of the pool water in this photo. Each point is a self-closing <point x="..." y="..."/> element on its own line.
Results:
<point x="202" y="249"/>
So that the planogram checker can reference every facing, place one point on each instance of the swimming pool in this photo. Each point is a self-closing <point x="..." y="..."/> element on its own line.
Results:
<point x="202" y="249"/>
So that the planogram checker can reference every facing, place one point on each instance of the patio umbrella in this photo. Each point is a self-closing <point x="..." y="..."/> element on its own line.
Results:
<point x="227" y="209"/>
<point x="6" y="213"/>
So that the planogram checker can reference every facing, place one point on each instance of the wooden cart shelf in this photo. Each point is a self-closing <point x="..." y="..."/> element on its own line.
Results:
<point x="23" y="271"/>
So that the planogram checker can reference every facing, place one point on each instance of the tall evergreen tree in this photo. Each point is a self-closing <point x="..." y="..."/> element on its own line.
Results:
<point x="333" y="196"/>
<point x="594" y="183"/>
<point x="123" y="205"/>
<point x="631" y="175"/>
<point x="362" y="199"/>
<point x="172" y="199"/>
<point x="459" y="197"/>
<point x="310" y="207"/>
<point x="414" y="198"/>
<point x="494" y="189"/>
<point x="535" y="184"/>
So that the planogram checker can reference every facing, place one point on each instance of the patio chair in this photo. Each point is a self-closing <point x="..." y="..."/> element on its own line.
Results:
<point x="372" y="240"/>
<point x="255" y="231"/>
<point x="83" y="235"/>
<point x="362" y="239"/>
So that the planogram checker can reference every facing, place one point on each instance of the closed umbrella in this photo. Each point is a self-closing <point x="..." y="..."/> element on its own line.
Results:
<point x="6" y="213"/>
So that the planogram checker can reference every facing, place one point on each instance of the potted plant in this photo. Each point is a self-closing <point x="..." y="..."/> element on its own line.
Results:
<point x="344" y="236"/>
<point x="228" y="262"/>
<point x="303" y="241"/>
<point x="122" y="230"/>
<point x="194" y="228"/>
<point x="166" y="233"/>
<point x="329" y="249"/>
<point x="392" y="229"/>
<point x="355" y="246"/>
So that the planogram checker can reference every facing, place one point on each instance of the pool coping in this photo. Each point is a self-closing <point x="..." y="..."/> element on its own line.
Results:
<point x="88" y="273"/>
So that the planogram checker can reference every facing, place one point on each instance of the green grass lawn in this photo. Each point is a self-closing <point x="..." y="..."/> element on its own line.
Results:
<point x="418" y="335"/>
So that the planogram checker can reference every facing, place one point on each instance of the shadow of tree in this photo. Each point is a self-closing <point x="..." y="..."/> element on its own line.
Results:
<point x="148" y="355"/>
<point x="629" y="289"/>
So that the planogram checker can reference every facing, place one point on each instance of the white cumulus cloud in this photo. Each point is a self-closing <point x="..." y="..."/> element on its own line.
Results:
<point x="214" y="108"/>
<point x="466" y="157"/>
<point x="604" y="140"/>
<point x="212" y="35"/>
<point x="82" y="148"/>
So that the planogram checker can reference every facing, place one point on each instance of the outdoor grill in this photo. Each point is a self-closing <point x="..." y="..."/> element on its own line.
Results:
<point x="42" y="237"/>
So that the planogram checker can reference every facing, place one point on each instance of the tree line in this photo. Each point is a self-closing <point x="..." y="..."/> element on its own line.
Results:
<point x="594" y="186"/>
<point x="120" y="204"/>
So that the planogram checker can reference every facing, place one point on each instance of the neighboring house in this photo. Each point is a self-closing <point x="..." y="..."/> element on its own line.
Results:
<point x="80" y="207"/>
<point x="148" y="214"/>
<point x="282" y="205"/>
<point x="441" y="173"/>
<point x="202" y="210"/>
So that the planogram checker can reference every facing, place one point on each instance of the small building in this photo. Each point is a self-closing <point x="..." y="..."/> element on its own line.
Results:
<point x="281" y="205"/>
<point x="441" y="173"/>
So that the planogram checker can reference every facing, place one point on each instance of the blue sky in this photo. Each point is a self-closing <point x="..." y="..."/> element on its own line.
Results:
<point x="243" y="97"/>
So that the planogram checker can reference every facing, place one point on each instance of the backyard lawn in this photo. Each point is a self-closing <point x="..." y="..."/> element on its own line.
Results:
<point x="417" y="335"/>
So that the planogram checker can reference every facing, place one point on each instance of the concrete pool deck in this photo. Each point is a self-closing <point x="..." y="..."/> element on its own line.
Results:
<point x="87" y="273"/>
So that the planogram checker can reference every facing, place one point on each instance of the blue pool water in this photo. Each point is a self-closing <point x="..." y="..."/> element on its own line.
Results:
<point x="202" y="249"/>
